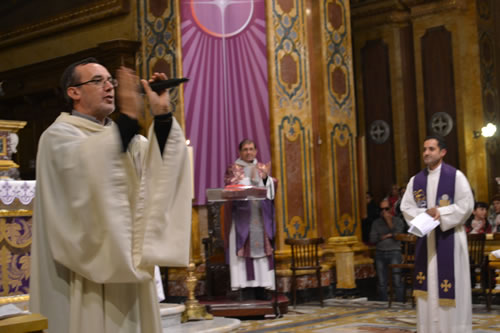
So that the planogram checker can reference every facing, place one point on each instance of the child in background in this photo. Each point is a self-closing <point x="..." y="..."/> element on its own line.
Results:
<point x="477" y="224"/>
<point x="494" y="216"/>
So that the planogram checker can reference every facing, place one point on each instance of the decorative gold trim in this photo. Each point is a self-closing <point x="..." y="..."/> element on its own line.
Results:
<point x="447" y="302"/>
<point x="178" y="41"/>
<point x="7" y="164"/>
<point x="343" y="137"/>
<point x="11" y="125"/>
<point x="64" y="20"/>
<point x="3" y="146"/>
<point x="14" y="299"/>
<point x="341" y="240"/>
<point x="437" y="7"/>
<point x="377" y="13"/>
<point x="301" y="272"/>
<point x="420" y="293"/>
<point x="17" y="212"/>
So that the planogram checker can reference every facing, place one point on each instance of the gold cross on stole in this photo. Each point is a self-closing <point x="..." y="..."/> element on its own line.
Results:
<point x="445" y="285"/>
<point x="420" y="277"/>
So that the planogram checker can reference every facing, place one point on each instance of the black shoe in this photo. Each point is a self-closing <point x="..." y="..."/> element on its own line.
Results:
<point x="262" y="294"/>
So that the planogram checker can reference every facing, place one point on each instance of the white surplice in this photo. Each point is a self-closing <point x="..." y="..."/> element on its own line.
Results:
<point x="431" y="317"/>
<point x="102" y="220"/>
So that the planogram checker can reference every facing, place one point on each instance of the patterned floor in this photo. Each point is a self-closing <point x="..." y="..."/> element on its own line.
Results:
<point x="349" y="316"/>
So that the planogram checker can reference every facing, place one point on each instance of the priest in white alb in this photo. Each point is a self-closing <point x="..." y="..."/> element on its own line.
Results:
<point x="442" y="283"/>
<point x="110" y="205"/>
<point x="251" y="231"/>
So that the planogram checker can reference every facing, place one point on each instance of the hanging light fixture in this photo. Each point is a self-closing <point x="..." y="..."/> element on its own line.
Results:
<point x="487" y="131"/>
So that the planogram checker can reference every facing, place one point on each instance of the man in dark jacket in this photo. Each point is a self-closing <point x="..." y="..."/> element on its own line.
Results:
<point x="388" y="250"/>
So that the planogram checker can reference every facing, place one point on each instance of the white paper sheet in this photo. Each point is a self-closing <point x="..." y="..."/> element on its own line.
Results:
<point x="422" y="224"/>
<point x="10" y="310"/>
<point x="159" y="285"/>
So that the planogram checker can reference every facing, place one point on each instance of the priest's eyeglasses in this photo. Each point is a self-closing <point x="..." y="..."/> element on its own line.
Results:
<point x="99" y="81"/>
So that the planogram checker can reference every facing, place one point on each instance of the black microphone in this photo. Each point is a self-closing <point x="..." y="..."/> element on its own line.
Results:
<point x="159" y="86"/>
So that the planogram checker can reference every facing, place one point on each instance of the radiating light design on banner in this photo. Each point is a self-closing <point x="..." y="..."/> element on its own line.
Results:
<point x="226" y="100"/>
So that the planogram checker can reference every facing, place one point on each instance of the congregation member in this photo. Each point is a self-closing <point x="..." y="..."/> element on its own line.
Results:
<point x="393" y="197"/>
<point x="110" y="205"/>
<point x="442" y="283"/>
<point x="477" y="223"/>
<point x="387" y="250"/>
<point x="372" y="214"/>
<point x="252" y="229"/>
<point x="494" y="217"/>
<point x="397" y="205"/>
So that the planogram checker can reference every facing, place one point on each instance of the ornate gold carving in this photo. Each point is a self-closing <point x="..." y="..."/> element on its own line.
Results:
<point x="339" y="82"/>
<point x="292" y="131"/>
<point x="342" y="240"/>
<point x="379" y="12"/>
<point x="61" y="18"/>
<point x="335" y="15"/>
<point x="15" y="241"/>
<point x="6" y="164"/>
<point x="288" y="69"/>
<point x="346" y="223"/>
<point x="296" y="226"/>
<point x="11" y="125"/>
<point x="286" y="5"/>
<point x="436" y="7"/>
<point x="342" y="136"/>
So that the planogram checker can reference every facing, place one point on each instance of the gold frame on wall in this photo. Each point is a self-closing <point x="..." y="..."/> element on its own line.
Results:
<point x="3" y="146"/>
<point x="59" y="19"/>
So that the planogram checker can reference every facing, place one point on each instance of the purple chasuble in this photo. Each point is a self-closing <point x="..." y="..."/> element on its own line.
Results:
<point x="444" y="239"/>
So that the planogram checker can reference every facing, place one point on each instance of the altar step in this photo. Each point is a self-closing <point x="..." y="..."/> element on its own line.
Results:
<point x="221" y="306"/>
<point x="171" y="322"/>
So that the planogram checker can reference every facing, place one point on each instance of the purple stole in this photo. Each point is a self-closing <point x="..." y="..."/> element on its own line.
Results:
<point x="241" y="214"/>
<point x="445" y="241"/>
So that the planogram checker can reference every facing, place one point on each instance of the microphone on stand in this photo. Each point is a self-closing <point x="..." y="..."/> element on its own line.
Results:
<point x="159" y="86"/>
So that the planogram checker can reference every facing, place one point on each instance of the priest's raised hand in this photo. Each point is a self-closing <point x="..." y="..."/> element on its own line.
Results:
<point x="130" y="101"/>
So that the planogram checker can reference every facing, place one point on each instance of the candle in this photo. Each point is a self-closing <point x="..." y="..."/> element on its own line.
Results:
<point x="191" y="165"/>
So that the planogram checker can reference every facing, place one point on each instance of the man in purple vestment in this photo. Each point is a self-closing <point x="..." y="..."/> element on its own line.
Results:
<point x="442" y="282"/>
<point x="251" y="232"/>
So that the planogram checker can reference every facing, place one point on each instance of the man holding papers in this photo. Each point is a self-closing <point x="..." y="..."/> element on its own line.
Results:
<point x="441" y="282"/>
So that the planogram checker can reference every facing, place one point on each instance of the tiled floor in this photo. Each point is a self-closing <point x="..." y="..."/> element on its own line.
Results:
<point x="349" y="316"/>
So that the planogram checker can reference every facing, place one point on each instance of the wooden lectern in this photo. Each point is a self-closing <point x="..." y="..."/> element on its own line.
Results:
<point x="23" y="324"/>
<point x="218" y="287"/>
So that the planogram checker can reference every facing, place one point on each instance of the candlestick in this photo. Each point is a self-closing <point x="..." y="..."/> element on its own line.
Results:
<point x="191" y="165"/>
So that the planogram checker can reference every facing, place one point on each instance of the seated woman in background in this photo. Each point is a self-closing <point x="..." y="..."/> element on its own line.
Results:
<point x="494" y="215"/>
<point x="477" y="223"/>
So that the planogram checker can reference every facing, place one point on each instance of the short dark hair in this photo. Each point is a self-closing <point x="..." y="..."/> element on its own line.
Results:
<point x="441" y="141"/>
<point x="71" y="77"/>
<point x="246" y="142"/>
<point x="496" y="197"/>
<point x="384" y="200"/>
<point x="480" y="204"/>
